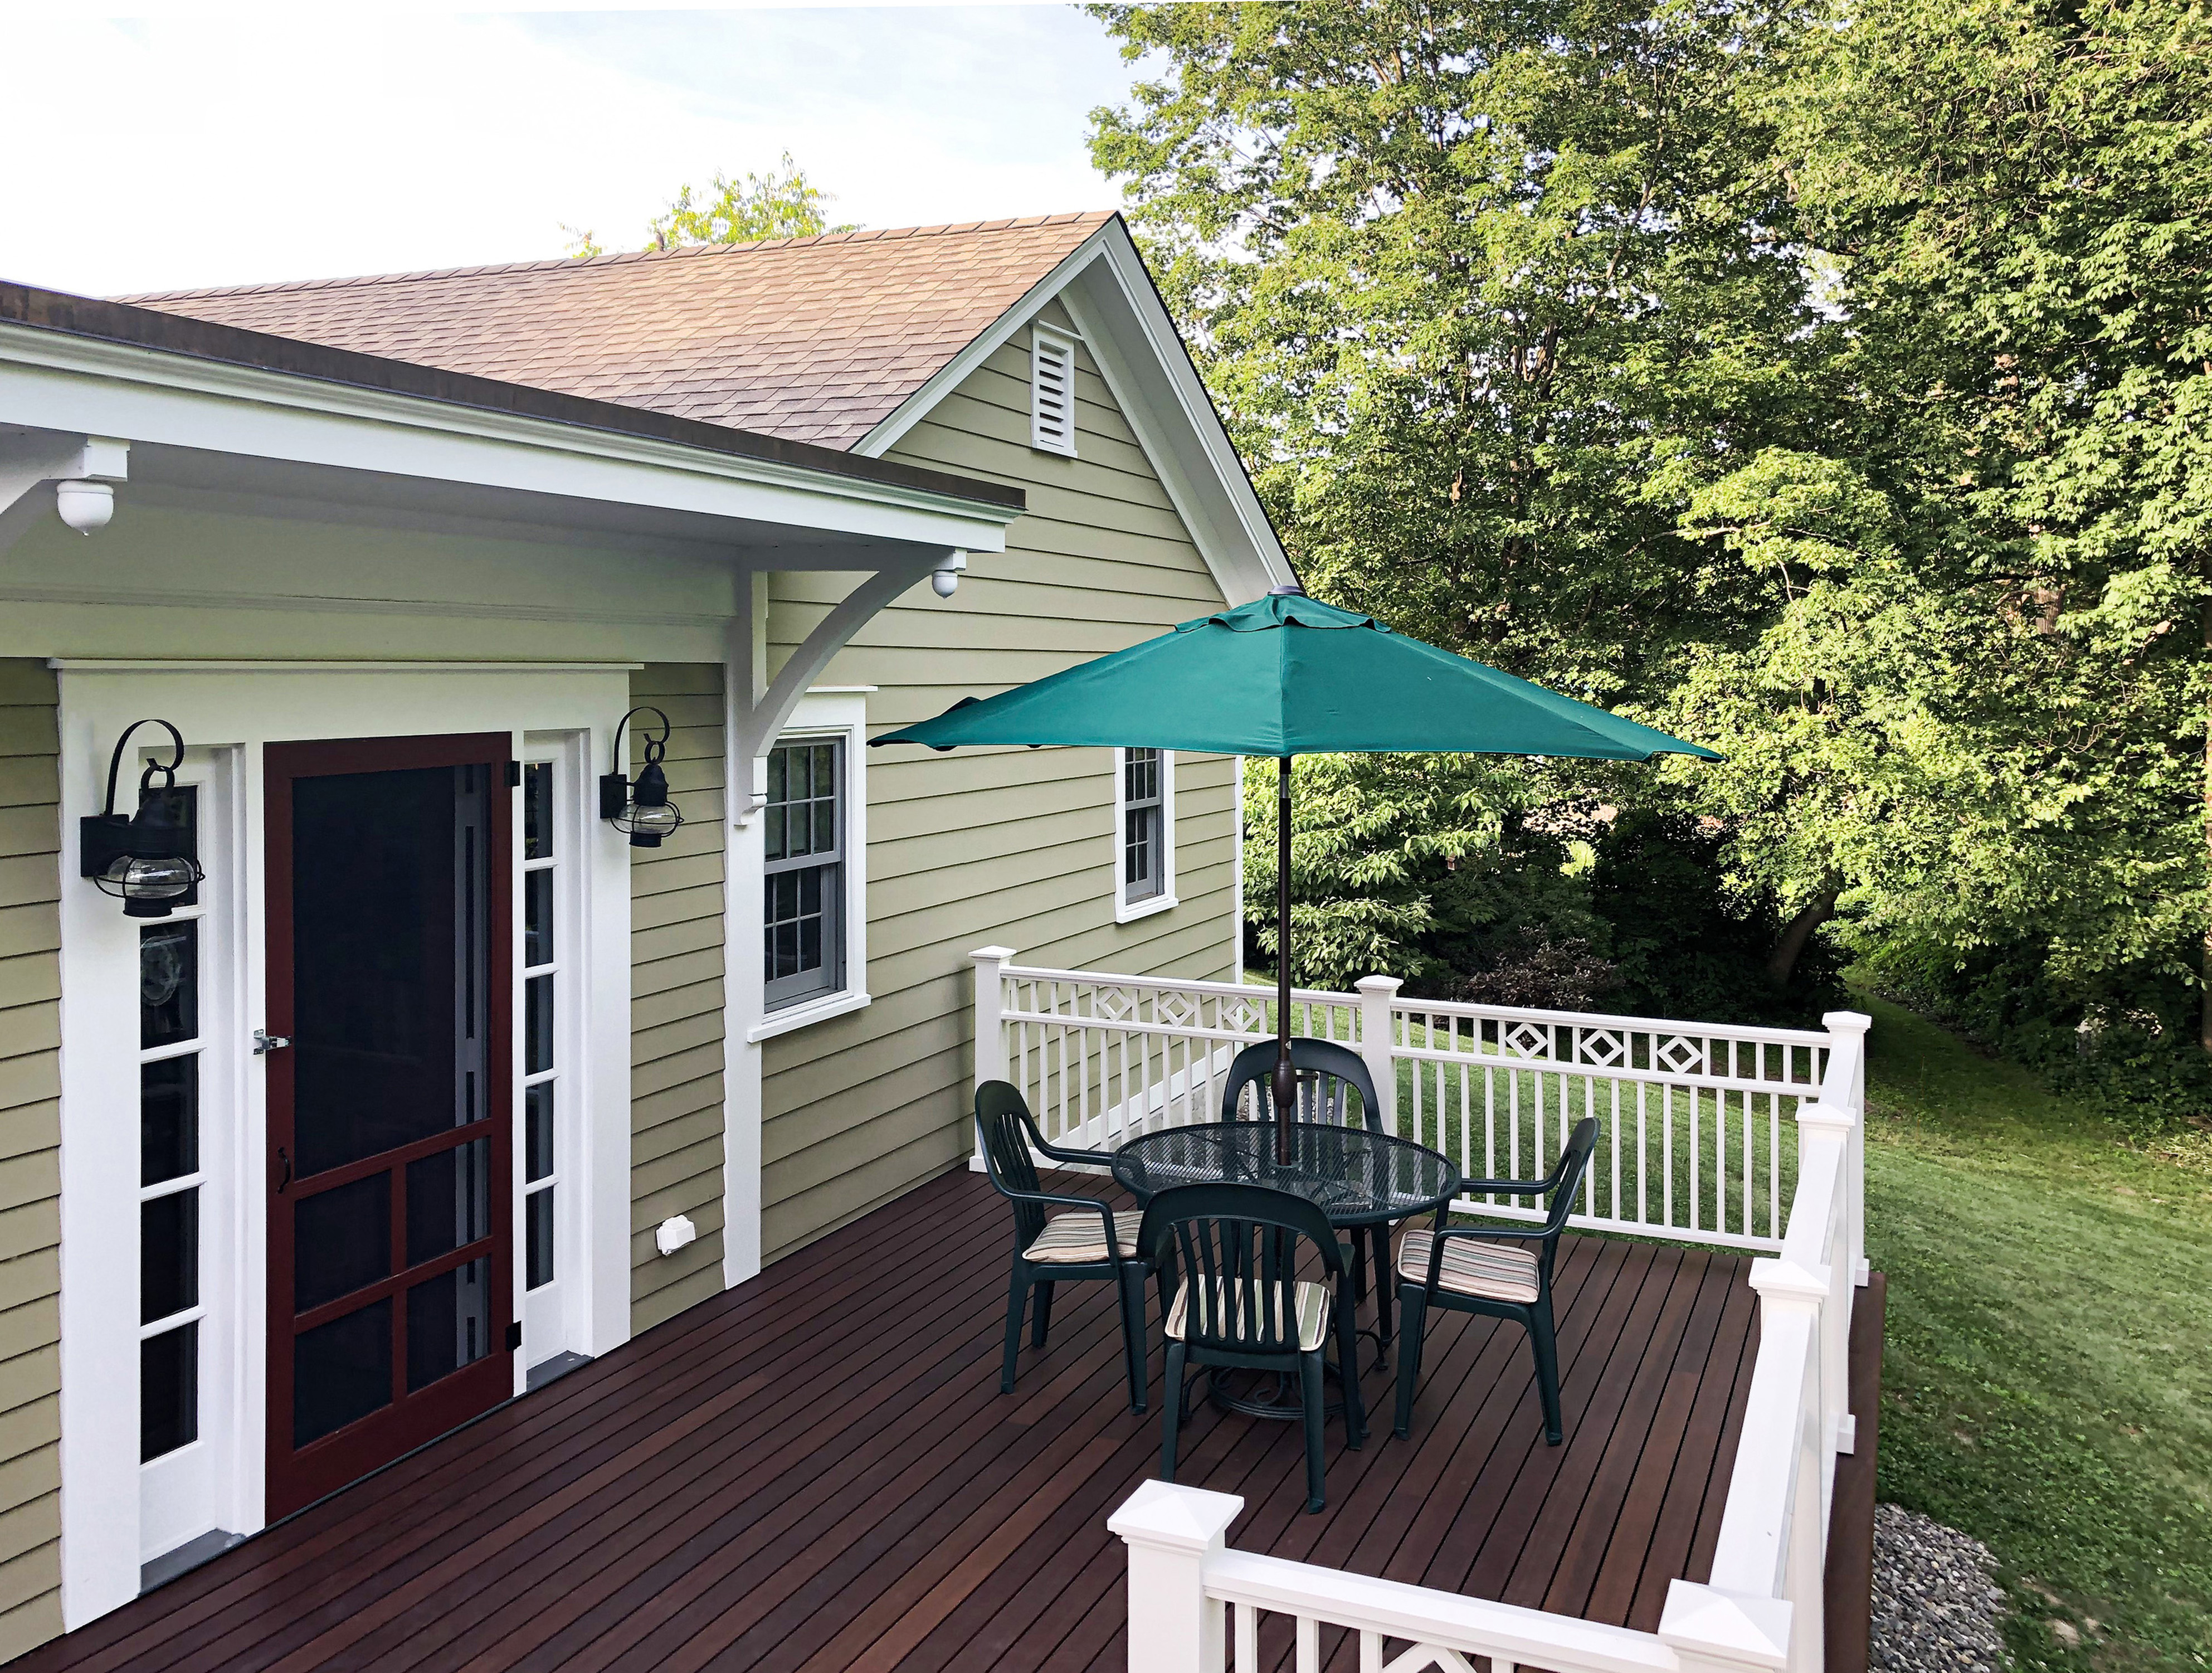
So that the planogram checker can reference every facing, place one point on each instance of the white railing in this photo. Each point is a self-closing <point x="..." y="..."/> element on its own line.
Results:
<point x="1698" y="1139"/>
<point x="1193" y="1602"/>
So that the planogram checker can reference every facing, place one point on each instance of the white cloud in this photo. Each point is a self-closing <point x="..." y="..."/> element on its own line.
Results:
<point x="211" y="146"/>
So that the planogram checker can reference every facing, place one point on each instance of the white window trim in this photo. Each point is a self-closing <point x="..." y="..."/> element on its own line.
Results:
<point x="1125" y="910"/>
<point x="844" y="715"/>
<point x="1048" y="342"/>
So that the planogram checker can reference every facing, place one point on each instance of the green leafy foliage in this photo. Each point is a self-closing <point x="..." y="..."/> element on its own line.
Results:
<point x="1828" y="389"/>
<point x="780" y="203"/>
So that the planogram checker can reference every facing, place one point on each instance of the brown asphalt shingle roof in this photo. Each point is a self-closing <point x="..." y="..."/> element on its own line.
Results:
<point x="812" y="339"/>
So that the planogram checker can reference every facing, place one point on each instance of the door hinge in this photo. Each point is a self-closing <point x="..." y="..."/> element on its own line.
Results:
<point x="514" y="775"/>
<point x="515" y="1336"/>
<point x="264" y="1042"/>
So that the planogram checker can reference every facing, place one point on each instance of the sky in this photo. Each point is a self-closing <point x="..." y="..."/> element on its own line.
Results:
<point x="195" y="144"/>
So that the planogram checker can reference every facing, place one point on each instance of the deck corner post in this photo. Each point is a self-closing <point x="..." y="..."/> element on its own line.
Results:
<point x="1172" y="1533"/>
<point x="990" y="1031"/>
<point x="1713" y="1630"/>
<point x="1378" y="993"/>
<point x="1849" y="1030"/>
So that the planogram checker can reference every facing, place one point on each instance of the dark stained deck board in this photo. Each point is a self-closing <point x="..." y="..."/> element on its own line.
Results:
<point x="816" y="1473"/>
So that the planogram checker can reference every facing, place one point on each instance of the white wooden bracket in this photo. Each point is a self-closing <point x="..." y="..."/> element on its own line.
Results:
<point x="757" y="723"/>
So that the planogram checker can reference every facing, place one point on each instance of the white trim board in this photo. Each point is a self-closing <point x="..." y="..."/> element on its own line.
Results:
<point x="52" y="382"/>
<point x="195" y="665"/>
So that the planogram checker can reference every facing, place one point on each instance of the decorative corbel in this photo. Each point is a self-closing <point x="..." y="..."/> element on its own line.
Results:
<point x="758" y="724"/>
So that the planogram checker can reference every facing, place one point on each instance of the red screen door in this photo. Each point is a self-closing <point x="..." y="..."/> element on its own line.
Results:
<point x="390" y="1246"/>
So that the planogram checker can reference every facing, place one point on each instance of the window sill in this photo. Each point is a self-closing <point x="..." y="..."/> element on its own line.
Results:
<point x="1129" y="912"/>
<point x="801" y="1016"/>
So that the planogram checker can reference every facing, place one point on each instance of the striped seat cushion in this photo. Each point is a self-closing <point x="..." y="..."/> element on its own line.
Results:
<point x="1494" y="1271"/>
<point x="1070" y="1239"/>
<point x="1311" y="1302"/>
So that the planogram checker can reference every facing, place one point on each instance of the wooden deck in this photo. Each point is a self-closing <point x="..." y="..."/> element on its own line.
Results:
<point x="816" y="1473"/>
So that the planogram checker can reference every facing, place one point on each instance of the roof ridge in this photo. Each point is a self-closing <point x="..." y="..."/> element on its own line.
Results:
<point x="575" y="263"/>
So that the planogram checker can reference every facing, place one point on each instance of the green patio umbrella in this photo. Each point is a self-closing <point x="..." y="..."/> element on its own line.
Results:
<point x="1283" y="676"/>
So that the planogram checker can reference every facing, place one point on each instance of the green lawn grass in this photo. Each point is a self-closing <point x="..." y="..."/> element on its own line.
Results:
<point x="2048" y="1379"/>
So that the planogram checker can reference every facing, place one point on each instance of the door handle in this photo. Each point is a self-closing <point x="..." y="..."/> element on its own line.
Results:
<point x="264" y="1042"/>
<point x="286" y="1178"/>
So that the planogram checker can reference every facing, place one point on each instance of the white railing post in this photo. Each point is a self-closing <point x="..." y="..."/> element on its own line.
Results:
<point x="1172" y="1533"/>
<point x="1825" y="1126"/>
<point x="1713" y="1630"/>
<point x="1378" y="993"/>
<point x="1849" y="1029"/>
<point x="990" y="1030"/>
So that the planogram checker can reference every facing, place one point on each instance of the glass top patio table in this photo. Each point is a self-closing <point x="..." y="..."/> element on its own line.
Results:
<point x="1355" y="1177"/>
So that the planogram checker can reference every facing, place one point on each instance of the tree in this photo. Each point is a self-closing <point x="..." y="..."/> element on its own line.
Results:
<point x="2018" y="199"/>
<point x="1487" y="293"/>
<point x="1830" y="389"/>
<point x="780" y="203"/>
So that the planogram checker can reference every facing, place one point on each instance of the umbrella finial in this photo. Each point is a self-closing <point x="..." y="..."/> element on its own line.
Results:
<point x="1288" y="590"/>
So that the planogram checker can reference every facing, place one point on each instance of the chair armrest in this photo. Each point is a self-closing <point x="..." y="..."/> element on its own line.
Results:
<point x="1505" y="1187"/>
<point x="1098" y="1159"/>
<point x="1518" y="1234"/>
<point x="1061" y="1152"/>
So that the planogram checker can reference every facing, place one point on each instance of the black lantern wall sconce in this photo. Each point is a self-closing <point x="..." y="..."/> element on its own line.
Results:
<point x="146" y="861"/>
<point x="642" y="810"/>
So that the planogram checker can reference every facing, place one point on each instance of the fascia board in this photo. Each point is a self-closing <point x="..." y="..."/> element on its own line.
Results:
<point x="52" y="382"/>
<point x="954" y="373"/>
<point x="1122" y="320"/>
<point x="1143" y="360"/>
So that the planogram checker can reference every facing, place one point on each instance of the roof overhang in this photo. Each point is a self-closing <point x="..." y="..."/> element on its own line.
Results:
<point x="1107" y="291"/>
<point x="70" y="364"/>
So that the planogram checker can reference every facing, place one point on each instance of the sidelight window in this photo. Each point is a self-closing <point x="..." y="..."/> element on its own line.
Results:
<point x="170" y="1174"/>
<point x="541" y="1084"/>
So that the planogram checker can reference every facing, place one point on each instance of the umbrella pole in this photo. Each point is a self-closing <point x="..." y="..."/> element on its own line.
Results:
<point x="1285" y="1087"/>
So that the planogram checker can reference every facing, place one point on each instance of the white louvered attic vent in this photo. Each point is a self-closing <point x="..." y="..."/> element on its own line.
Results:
<point x="1052" y="392"/>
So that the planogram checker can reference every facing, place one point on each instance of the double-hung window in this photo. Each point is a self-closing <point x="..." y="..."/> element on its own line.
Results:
<point x="803" y="930"/>
<point x="1144" y="831"/>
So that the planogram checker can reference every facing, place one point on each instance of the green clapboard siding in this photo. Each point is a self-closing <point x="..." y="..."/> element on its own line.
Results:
<point x="675" y="1003"/>
<point x="1006" y="846"/>
<point x="30" y="1157"/>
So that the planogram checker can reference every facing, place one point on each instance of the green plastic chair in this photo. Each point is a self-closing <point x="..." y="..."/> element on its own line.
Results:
<point x="1498" y="1271"/>
<point x="1092" y="1242"/>
<point x="1333" y="1081"/>
<point x="1229" y="1255"/>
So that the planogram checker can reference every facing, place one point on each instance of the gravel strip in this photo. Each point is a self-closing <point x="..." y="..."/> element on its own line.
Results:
<point x="1934" y="1608"/>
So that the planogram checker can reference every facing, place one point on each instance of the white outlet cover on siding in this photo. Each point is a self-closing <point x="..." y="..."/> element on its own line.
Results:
<point x="1052" y="392"/>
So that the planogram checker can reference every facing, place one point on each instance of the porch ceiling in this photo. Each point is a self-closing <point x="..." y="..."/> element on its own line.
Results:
<point x="816" y="1471"/>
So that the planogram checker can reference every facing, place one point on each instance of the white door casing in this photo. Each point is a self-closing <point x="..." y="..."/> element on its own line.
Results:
<point x="116" y="1513"/>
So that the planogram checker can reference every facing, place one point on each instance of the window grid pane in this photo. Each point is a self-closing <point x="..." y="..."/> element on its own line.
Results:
<point x="168" y="1392"/>
<point x="537" y="810"/>
<point x="168" y="1118"/>
<point x="168" y="983"/>
<point x="537" y="1238"/>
